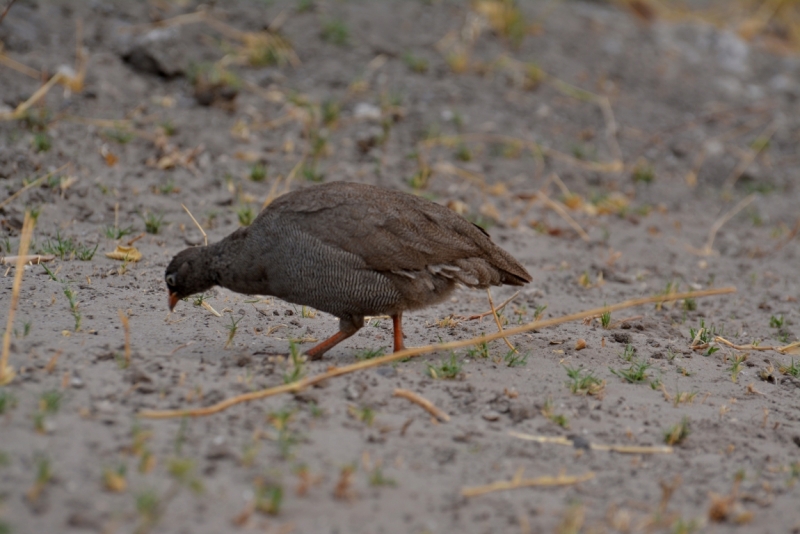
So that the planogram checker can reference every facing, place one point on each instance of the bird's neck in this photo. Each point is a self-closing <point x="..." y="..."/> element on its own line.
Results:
<point x="229" y="262"/>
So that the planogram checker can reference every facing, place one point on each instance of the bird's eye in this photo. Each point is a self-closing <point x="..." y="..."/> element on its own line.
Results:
<point x="171" y="279"/>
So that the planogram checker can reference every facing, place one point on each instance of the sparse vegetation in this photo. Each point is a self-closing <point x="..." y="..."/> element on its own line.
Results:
<point x="676" y="434"/>
<point x="448" y="368"/>
<point x="583" y="382"/>
<point x="286" y="438"/>
<point x="66" y="248"/>
<point x="246" y="215"/>
<point x="792" y="369"/>
<point x="335" y="31"/>
<point x="776" y="322"/>
<point x="514" y="358"/>
<point x="559" y="419"/>
<point x="415" y="63"/>
<point x="365" y="414"/>
<point x="7" y="401"/>
<point x="481" y="350"/>
<point x="309" y="172"/>
<point x="113" y="232"/>
<point x="258" y="172"/>
<point x="73" y="306"/>
<point x="635" y="373"/>
<point x="42" y="142"/>
<point x="232" y="328"/>
<point x="296" y="364"/>
<point x="330" y="110"/>
<point x="148" y="506"/>
<point x="736" y="366"/>
<point x="605" y="319"/>
<point x="377" y="478"/>
<point x="153" y="222"/>
<point x="118" y="135"/>
<point x="643" y="173"/>
<point x="182" y="470"/>
<point x="269" y="497"/>
<point x="368" y="354"/>
<point x="628" y="353"/>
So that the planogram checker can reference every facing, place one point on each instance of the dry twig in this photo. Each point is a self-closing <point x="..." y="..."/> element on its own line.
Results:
<point x="503" y="305"/>
<point x="422" y="401"/>
<point x="751" y="155"/>
<point x="497" y="320"/>
<point x="708" y="249"/>
<point x="559" y="208"/>
<point x="6" y="371"/>
<point x="519" y="482"/>
<point x="205" y="236"/>
<point x="30" y="259"/>
<point x="32" y="184"/>
<point x="416" y="351"/>
<point x="792" y="348"/>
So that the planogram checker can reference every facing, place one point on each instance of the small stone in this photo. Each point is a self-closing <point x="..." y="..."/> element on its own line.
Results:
<point x="353" y="392"/>
<point x="580" y="442"/>
<point x="386" y="371"/>
<point x="365" y="111"/>
<point x="621" y="337"/>
<point x="490" y="415"/>
<point x="105" y="407"/>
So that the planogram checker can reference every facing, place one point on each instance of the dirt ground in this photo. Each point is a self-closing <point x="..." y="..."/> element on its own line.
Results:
<point x="615" y="155"/>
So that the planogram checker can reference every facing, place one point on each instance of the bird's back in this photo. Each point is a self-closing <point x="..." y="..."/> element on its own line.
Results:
<point x="355" y="248"/>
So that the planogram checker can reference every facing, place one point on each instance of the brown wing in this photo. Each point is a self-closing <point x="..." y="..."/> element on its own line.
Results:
<point x="393" y="231"/>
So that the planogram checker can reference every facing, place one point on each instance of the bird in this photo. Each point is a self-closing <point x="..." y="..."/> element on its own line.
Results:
<point x="351" y="250"/>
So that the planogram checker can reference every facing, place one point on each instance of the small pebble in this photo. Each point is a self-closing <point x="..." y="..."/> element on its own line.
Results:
<point x="491" y="415"/>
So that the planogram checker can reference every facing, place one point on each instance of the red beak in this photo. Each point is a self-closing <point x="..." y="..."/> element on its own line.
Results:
<point x="173" y="300"/>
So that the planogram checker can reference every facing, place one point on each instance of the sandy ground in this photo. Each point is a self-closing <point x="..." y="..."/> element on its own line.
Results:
<point x="655" y="130"/>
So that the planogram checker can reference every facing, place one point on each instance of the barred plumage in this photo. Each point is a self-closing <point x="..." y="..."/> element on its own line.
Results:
<point x="350" y="250"/>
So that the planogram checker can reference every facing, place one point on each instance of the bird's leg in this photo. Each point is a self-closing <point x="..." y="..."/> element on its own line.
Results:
<point x="347" y="327"/>
<point x="397" y="323"/>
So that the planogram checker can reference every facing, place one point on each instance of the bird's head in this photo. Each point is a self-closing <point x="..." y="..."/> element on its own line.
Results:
<point x="188" y="273"/>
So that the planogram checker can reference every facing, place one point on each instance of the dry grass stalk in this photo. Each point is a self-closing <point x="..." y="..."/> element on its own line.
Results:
<point x="51" y="364"/>
<point x="126" y="327"/>
<point x="708" y="249"/>
<point x="273" y="191"/>
<point x="416" y="351"/>
<point x="623" y="449"/>
<point x="792" y="348"/>
<point x="497" y="320"/>
<point x="751" y="155"/>
<point x="519" y="482"/>
<point x="30" y="259"/>
<point x="20" y="110"/>
<point x="205" y="236"/>
<point x="6" y="371"/>
<point x="210" y="309"/>
<point x="344" y="486"/>
<point x="19" y="67"/>
<point x="559" y="208"/>
<point x="611" y="127"/>
<point x="34" y="183"/>
<point x="421" y="401"/>
<point x="494" y="310"/>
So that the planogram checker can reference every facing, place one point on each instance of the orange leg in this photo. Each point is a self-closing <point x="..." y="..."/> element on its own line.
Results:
<point x="397" y="323"/>
<point x="315" y="353"/>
